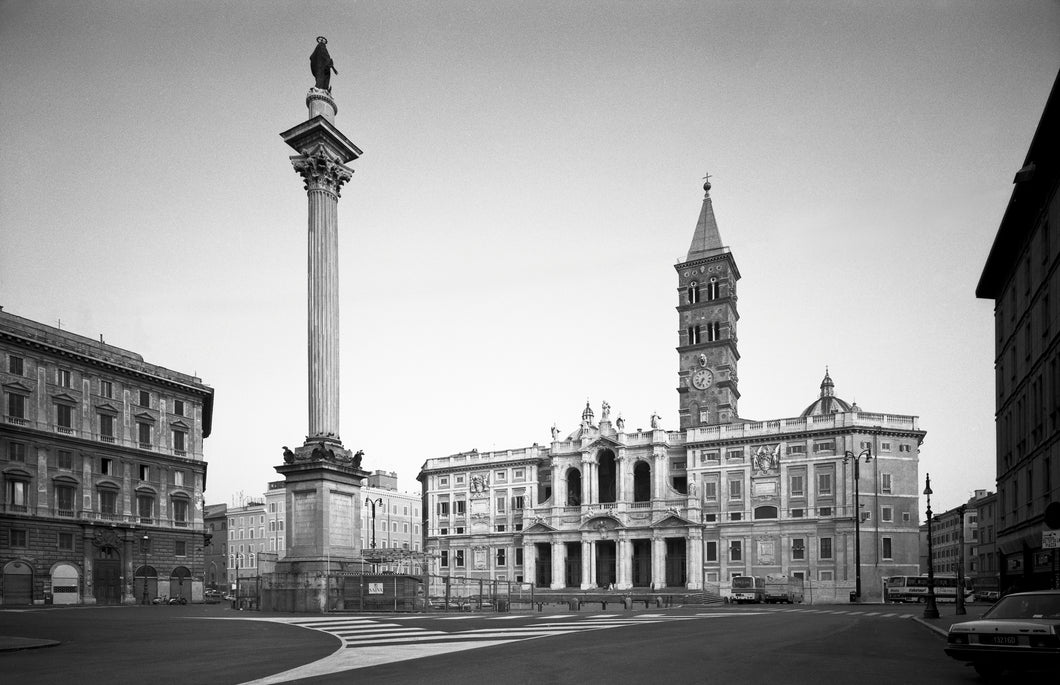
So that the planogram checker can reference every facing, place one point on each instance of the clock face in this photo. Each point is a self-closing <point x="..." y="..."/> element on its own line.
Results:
<point x="702" y="379"/>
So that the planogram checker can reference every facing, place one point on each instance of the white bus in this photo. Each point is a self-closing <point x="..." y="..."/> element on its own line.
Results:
<point x="915" y="589"/>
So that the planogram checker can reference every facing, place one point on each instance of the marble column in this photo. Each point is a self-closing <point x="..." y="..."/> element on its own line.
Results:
<point x="557" y="566"/>
<point x="624" y="561"/>
<point x="658" y="563"/>
<point x="587" y="565"/>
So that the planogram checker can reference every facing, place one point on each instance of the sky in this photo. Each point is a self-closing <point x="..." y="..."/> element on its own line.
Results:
<point x="531" y="173"/>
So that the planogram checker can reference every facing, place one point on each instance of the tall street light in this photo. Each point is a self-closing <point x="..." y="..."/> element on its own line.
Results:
<point x="373" y="502"/>
<point x="931" y="609"/>
<point x="960" y="610"/>
<point x="847" y="456"/>
<point x="143" y="544"/>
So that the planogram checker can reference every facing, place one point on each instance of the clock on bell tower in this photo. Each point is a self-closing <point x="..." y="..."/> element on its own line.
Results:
<point x="706" y="349"/>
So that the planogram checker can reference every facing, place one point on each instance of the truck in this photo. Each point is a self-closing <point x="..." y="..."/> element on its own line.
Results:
<point x="783" y="588"/>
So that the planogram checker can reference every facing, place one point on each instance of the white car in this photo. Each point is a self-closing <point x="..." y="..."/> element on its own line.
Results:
<point x="1019" y="633"/>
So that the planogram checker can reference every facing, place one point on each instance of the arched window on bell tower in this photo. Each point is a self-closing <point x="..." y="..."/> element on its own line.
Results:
<point x="693" y="335"/>
<point x="693" y="292"/>
<point x="713" y="331"/>
<point x="712" y="289"/>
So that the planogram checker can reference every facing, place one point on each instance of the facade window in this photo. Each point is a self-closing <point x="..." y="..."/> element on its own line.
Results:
<point x="736" y="550"/>
<point x="798" y="513"/>
<point x="145" y="508"/>
<point x="735" y="489"/>
<point x="798" y="549"/>
<point x="713" y="331"/>
<point x="108" y="502"/>
<point x="17" y="495"/>
<point x="106" y="389"/>
<point x="145" y="472"/>
<point x="145" y="398"/>
<point x="459" y="558"/>
<point x="179" y="439"/>
<point x="178" y="407"/>
<point x="887" y="514"/>
<point x="693" y="335"/>
<point x="826" y="548"/>
<point x="64" y="459"/>
<point x="712" y="550"/>
<point x="443" y="508"/>
<point x="824" y="511"/>
<point x="15" y="365"/>
<point x="16" y="407"/>
<point x="824" y="484"/>
<point x="501" y="558"/>
<point x="180" y="512"/>
<point x="887" y="551"/>
<point x="798" y="486"/>
<point x="63" y="378"/>
<point x="518" y="502"/>
<point x="824" y="446"/>
<point x="106" y="427"/>
<point x="66" y="541"/>
<point x="106" y="467"/>
<point x="445" y="559"/>
<point x="885" y="447"/>
<point x="143" y="430"/>
<point x="443" y="481"/>
<point x="736" y="516"/>
<point x="905" y="517"/>
<point x="710" y="490"/>
<point x="796" y="449"/>
<point x="460" y="506"/>
<point x="692" y="292"/>
<point x="710" y="518"/>
<point x="19" y="538"/>
<point x="16" y="451"/>
<point x="64" y="416"/>
<point x="64" y="500"/>
<point x="826" y="575"/>
<point x="178" y="481"/>
<point x="180" y="548"/>
<point x="712" y="289"/>
<point x="518" y="556"/>
<point x="500" y="505"/>
<point x="885" y="482"/>
<point x="905" y="448"/>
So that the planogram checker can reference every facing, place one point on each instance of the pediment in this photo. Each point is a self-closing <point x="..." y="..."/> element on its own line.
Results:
<point x="107" y="408"/>
<point x="64" y="398"/>
<point x="539" y="527"/>
<point x="17" y="386"/>
<point x="672" y="520"/>
<point x="603" y="443"/>
<point x="144" y="416"/>
<point x="601" y="522"/>
<point x="179" y="424"/>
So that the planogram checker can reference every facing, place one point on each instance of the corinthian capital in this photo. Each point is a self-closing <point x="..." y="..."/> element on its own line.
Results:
<point x="321" y="170"/>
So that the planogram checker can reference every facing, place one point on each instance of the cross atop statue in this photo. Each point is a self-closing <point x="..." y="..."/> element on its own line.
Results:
<point x="321" y="65"/>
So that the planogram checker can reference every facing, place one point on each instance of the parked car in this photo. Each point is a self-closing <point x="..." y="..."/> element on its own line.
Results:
<point x="986" y="596"/>
<point x="1019" y="633"/>
<point x="213" y="593"/>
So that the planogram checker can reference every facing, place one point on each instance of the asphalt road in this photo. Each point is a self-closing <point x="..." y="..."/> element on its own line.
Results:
<point x="216" y="645"/>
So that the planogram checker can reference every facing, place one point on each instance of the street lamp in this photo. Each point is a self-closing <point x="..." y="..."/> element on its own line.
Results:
<point x="931" y="610"/>
<point x="847" y="456"/>
<point x="143" y="544"/>
<point x="373" y="502"/>
<point x="960" y="610"/>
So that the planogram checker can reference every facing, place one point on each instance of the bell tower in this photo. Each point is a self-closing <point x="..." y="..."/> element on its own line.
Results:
<point x="707" y="315"/>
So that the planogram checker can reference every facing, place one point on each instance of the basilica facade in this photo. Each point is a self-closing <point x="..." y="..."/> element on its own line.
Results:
<point x="687" y="509"/>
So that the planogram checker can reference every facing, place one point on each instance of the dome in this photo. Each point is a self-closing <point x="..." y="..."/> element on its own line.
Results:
<point x="827" y="403"/>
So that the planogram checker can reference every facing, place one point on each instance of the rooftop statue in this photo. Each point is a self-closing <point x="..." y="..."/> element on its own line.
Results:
<point x="321" y="65"/>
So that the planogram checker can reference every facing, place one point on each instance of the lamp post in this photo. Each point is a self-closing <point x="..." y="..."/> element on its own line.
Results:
<point x="373" y="502"/>
<point x="143" y="544"/>
<point x="931" y="609"/>
<point x="960" y="610"/>
<point x="847" y="456"/>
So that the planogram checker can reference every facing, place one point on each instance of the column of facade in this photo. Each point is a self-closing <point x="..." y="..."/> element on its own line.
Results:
<point x="624" y="561"/>
<point x="694" y="560"/>
<point x="589" y="485"/>
<point x="587" y="565"/>
<point x="530" y="563"/>
<point x="658" y="561"/>
<point x="658" y="474"/>
<point x="621" y="477"/>
<point x="559" y="487"/>
<point x="557" y="566"/>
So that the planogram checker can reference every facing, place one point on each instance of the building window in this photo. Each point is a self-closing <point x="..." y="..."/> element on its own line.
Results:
<point x="500" y="505"/>
<point x="905" y="448"/>
<point x="460" y="506"/>
<point x="826" y="548"/>
<point x="15" y="365"/>
<point x="710" y="490"/>
<point x="180" y="548"/>
<point x="106" y="428"/>
<point x="735" y="489"/>
<point x="713" y="331"/>
<point x="178" y="407"/>
<point x="798" y="549"/>
<point x="798" y="486"/>
<point x="824" y="484"/>
<point x="736" y="516"/>
<point x="692" y="292"/>
<point x="180" y="513"/>
<point x="108" y="502"/>
<point x="885" y="447"/>
<point x="19" y="538"/>
<point x="501" y="559"/>
<point x="518" y="556"/>
<point x="798" y="513"/>
<point x="16" y="407"/>
<point x="144" y="431"/>
<point x="145" y="398"/>
<point x="445" y="558"/>
<point x="106" y="467"/>
<point x="796" y="449"/>
<point x="16" y="451"/>
<point x="712" y="289"/>
<point x="63" y="378"/>
<point x="693" y="335"/>
<point x="710" y="518"/>
<point x="64" y="500"/>
<point x="443" y="531"/>
<point x="887" y="553"/>
<point x="66" y="541"/>
<point x="826" y="575"/>
<point x="144" y="471"/>
<point x="145" y="507"/>
<point x="712" y="550"/>
<point x="824" y="511"/>
<point x="905" y="517"/>
<point x="887" y="514"/>
<point x="519" y="474"/>
<point x="443" y="508"/>
<point x="765" y="512"/>
<point x="443" y="481"/>
<point x="179" y="439"/>
<point x="885" y="482"/>
<point x="64" y="416"/>
<point x="518" y="502"/>
<point x="824" y="446"/>
<point x="106" y="389"/>
<point x="178" y="481"/>
<point x="736" y="550"/>
<point x="17" y="494"/>
<point x="459" y="558"/>
<point x="64" y="459"/>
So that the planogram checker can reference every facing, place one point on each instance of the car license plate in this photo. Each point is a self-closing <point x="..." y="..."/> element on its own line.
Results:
<point x="1000" y="639"/>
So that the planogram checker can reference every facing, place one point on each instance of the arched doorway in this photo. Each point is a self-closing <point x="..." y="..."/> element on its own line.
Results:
<point x="180" y="583"/>
<point x="145" y="576"/>
<point x="18" y="583"/>
<point x="607" y="476"/>
<point x="574" y="487"/>
<point x="106" y="572"/>
<point x="642" y="482"/>
<point x="66" y="584"/>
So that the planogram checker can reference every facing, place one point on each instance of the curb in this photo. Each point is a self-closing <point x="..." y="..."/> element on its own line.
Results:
<point x="14" y="644"/>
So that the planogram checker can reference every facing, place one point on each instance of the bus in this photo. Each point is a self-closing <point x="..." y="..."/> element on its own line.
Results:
<point x="783" y="589"/>
<point x="747" y="589"/>
<point x="914" y="589"/>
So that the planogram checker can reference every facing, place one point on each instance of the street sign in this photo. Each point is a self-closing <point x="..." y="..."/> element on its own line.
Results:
<point x="1051" y="539"/>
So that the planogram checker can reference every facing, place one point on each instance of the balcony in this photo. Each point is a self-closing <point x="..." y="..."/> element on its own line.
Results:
<point x="17" y="420"/>
<point x="65" y="513"/>
<point x="107" y="439"/>
<point x="65" y="430"/>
